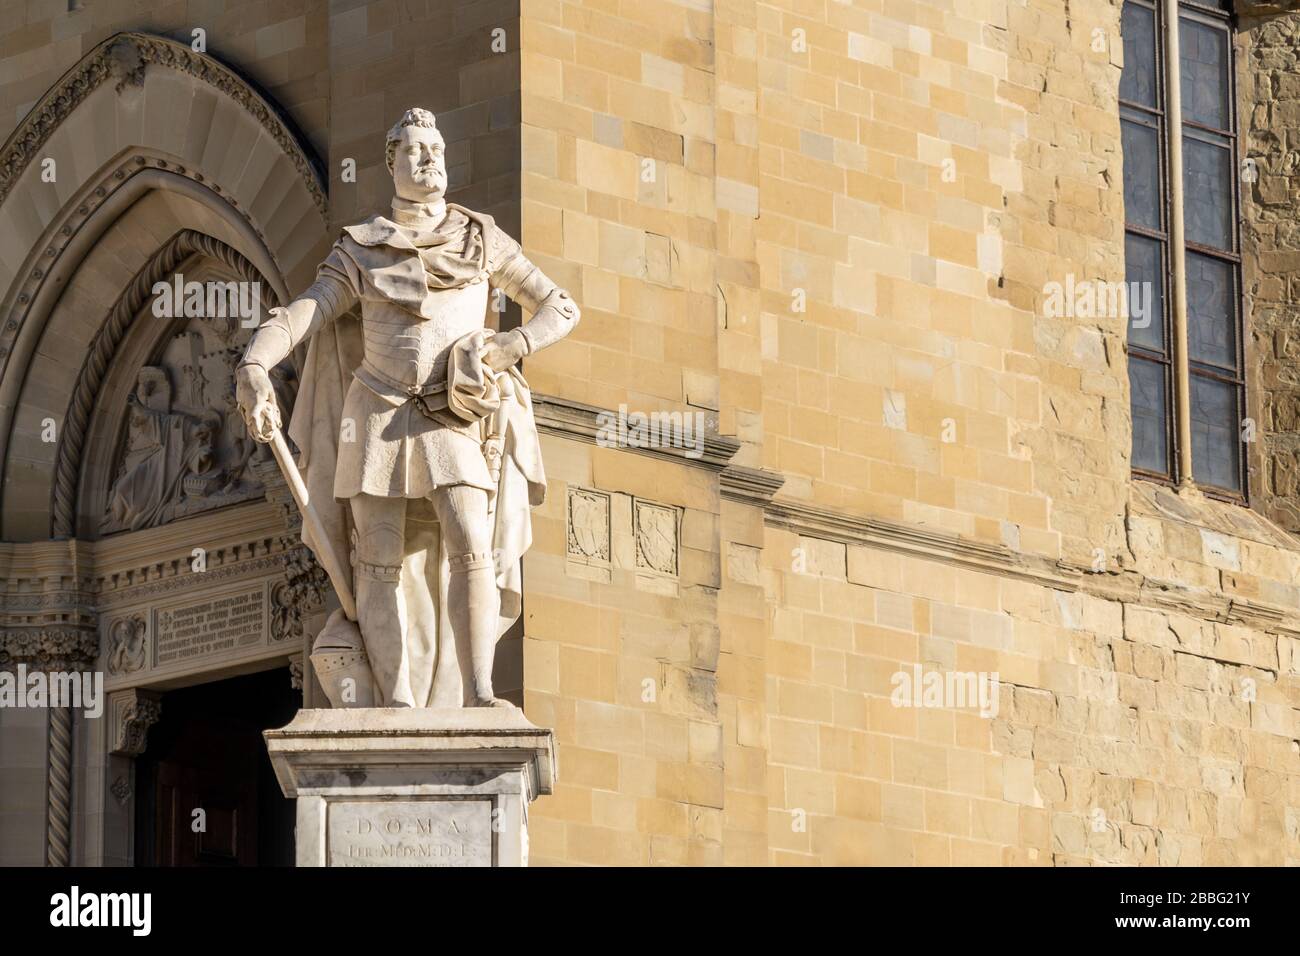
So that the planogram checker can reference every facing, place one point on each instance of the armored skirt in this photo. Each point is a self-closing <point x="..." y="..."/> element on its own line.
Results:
<point x="399" y="452"/>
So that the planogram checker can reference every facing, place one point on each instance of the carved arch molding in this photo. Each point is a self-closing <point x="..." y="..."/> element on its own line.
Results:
<point x="123" y="58"/>
<point x="66" y="602"/>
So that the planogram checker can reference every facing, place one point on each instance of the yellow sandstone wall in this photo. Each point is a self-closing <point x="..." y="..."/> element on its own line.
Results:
<point x="860" y="219"/>
<point x="618" y="105"/>
<point x="826" y="227"/>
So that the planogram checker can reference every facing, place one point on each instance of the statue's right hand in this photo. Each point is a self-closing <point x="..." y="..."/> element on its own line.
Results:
<point x="256" y="399"/>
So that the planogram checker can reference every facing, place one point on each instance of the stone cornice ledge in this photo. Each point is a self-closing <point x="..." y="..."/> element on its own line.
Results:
<point x="1125" y="586"/>
<point x="832" y="525"/>
<point x="562" y="416"/>
<point x="753" y="486"/>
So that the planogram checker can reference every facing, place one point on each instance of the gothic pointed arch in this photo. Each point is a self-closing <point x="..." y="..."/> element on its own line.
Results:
<point x="144" y="151"/>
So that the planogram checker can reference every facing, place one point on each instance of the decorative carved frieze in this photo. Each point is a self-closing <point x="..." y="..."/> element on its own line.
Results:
<point x="186" y="449"/>
<point x="175" y="575"/>
<point x="48" y="648"/>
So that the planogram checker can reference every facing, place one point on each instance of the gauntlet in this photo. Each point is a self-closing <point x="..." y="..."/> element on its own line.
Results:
<point x="554" y="319"/>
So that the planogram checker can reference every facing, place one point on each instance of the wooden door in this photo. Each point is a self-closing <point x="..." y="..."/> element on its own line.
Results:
<point x="205" y="796"/>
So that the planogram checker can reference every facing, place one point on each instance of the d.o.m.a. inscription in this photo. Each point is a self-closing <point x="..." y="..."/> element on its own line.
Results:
<point x="430" y="832"/>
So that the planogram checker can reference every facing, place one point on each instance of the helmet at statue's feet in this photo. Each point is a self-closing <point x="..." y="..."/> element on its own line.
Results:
<point x="339" y="658"/>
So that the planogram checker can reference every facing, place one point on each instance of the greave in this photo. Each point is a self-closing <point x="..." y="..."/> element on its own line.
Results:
<point x="381" y="610"/>
<point x="474" y="610"/>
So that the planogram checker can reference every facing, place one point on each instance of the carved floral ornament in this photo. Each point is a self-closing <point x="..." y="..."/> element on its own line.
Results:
<point x="49" y="648"/>
<point x="133" y="712"/>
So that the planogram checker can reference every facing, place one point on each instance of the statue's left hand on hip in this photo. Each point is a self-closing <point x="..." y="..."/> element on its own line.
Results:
<point x="503" y="350"/>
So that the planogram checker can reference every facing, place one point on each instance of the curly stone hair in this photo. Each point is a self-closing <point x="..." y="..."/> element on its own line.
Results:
<point x="412" y="117"/>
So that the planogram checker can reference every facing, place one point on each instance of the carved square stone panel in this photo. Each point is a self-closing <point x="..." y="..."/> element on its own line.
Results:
<point x="128" y="644"/>
<point x="656" y="528"/>
<point x="588" y="525"/>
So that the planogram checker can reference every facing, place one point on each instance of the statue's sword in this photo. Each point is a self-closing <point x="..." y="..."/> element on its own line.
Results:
<point x="335" y="568"/>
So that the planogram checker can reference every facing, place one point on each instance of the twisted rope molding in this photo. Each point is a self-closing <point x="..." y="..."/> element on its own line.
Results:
<point x="58" y="821"/>
<point x="123" y="57"/>
<point x="50" y="650"/>
<point x="67" y="469"/>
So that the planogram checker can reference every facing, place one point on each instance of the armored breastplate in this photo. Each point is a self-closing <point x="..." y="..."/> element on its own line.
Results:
<point x="412" y="349"/>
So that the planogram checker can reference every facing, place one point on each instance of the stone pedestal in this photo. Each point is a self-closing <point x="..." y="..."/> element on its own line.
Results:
<point x="412" y="787"/>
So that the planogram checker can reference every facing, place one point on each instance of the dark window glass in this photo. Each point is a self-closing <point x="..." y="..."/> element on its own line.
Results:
<point x="1215" y="433"/>
<point x="1150" y="415"/>
<point x="1214" y="334"/>
<point x="1141" y="174"/>
<point x="1138" y="82"/>
<point x="1207" y="193"/>
<point x="1211" y="318"/>
<point x="1203" y="62"/>
<point x="1144" y="272"/>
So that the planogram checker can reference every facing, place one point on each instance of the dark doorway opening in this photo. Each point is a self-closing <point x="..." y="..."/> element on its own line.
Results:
<point x="205" y="791"/>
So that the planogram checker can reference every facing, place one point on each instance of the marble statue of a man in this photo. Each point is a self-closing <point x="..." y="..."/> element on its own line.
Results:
<point x="414" y="428"/>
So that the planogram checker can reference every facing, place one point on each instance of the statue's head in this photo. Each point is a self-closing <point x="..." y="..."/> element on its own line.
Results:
<point x="153" y="389"/>
<point x="414" y="152"/>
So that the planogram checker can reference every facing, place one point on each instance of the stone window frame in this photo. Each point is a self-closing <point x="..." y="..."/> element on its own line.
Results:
<point x="1179" y="372"/>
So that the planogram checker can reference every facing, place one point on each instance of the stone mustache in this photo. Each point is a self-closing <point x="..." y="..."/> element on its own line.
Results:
<point x="415" y="433"/>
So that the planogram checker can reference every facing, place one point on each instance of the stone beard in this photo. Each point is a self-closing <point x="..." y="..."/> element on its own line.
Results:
<point x="415" y="431"/>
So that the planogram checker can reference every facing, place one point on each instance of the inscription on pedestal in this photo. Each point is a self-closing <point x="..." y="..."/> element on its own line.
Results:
<point x="431" y="832"/>
<point x="219" y="623"/>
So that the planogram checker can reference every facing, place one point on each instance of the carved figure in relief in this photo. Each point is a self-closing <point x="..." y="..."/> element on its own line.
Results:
<point x="186" y="449"/>
<point x="127" y="646"/>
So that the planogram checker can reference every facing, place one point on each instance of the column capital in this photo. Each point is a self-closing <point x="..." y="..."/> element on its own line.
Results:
<point x="62" y="648"/>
